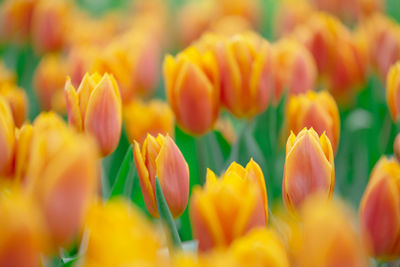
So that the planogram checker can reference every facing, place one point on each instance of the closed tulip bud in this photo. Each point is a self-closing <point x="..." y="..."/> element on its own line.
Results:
<point x="229" y="207"/>
<point x="192" y="87"/>
<point x="316" y="110"/>
<point x="7" y="138"/>
<point x="294" y="68"/>
<point x="380" y="211"/>
<point x="17" y="100"/>
<point x="159" y="119"/>
<point x="309" y="168"/>
<point x="22" y="231"/>
<point x="393" y="91"/>
<point x="62" y="175"/>
<point x="95" y="107"/>
<point x="245" y="67"/>
<point x="160" y="157"/>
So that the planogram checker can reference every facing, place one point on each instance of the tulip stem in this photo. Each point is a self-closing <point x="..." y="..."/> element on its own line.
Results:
<point x="201" y="156"/>
<point x="166" y="216"/>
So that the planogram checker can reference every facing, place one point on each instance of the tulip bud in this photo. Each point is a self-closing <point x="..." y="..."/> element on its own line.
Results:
<point x="159" y="119"/>
<point x="17" y="100"/>
<point x="160" y="157"/>
<point x="294" y="68"/>
<point x="393" y="91"/>
<point x="192" y="87"/>
<point x="380" y="210"/>
<point x="62" y="175"/>
<point x="229" y="207"/>
<point x="95" y="107"/>
<point x="309" y="168"/>
<point x="22" y="232"/>
<point x="7" y="138"/>
<point x="245" y="69"/>
<point x="316" y="110"/>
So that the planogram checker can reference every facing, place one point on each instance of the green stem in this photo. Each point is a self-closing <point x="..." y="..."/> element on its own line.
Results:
<point x="201" y="159"/>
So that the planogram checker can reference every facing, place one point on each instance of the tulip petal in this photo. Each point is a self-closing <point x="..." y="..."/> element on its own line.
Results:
<point x="73" y="109"/>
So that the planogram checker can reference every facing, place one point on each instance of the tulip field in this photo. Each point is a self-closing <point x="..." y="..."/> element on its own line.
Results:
<point x="200" y="133"/>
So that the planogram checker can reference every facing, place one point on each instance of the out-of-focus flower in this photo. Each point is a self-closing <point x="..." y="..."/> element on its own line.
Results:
<point x="309" y="168"/>
<point x="192" y="87"/>
<point x="294" y="68"/>
<point x="6" y="75"/>
<point x="62" y="175"/>
<point x="118" y="235"/>
<point x="396" y="147"/>
<point x="328" y="236"/>
<point x="393" y="91"/>
<point x="23" y="139"/>
<point x="290" y="14"/>
<point x="79" y="60"/>
<point x="216" y="258"/>
<point x="250" y="10"/>
<point x="245" y="67"/>
<point x="316" y="110"/>
<point x="23" y="237"/>
<point x="95" y="107"/>
<point x="225" y="127"/>
<point x="380" y="210"/>
<point x="229" y="207"/>
<point x="49" y="81"/>
<point x="160" y="157"/>
<point x="261" y="247"/>
<point x="159" y="119"/>
<point x="7" y="138"/>
<point x="230" y="25"/>
<point x="17" y="100"/>
<point x="16" y="20"/>
<point x="48" y="25"/>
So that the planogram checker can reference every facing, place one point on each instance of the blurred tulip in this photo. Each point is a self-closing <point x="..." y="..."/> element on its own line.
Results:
<point x="393" y="91"/>
<point x="49" y="81"/>
<point x="95" y="107"/>
<point x="245" y="67"/>
<point x="62" y="175"/>
<point x="23" y="237"/>
<point x="316" y="110"/>
<point x="17" y="100"/>
<point x="290" y="14"/>
<point x="225" y="127"/>
<point x="192" y="87"/>
<point x="230" y="25"/>
<point x="119" y="235"/>
<point x="251" y="10"/>
<point x="23" y="137"/>
<point x="48" y="25"/>
<point x="159" y="119"/>
<point x="261" y="247"/>
<point x="309" y="168"/>
<point x="160" y="157"/>
<point x="227" y="208"/>
<point x="6" y="75"/>
<point x="7" y="138"/>
<point x="380" y="211"/>
<point x="396" y="147"/>
<point x="328" y="236"/>
<point x="294" y="68"/>
<point x="79" y="60"/>
<point x="215" y="258"/>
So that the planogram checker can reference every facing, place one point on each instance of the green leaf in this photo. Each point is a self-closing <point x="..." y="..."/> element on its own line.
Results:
<point x="124" y="181"/>
<point x="166" y="216"/>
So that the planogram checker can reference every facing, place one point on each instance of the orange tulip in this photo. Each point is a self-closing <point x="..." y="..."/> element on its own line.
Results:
<point x="192" y="87"/>
<point x="393" y="91"/>
<point x="290" y="14"/>
<point x="245" y="69"/>
<point x="23" y="140"/>
<point x="316" y="110"/>
<point x="96" y="108"/>
<point x="380" y="210"/>
<point x="160" y="157"/>
<point x="17" y="100"/>
<point x="159" y="119"/>
<point x="309" y="168"/>
<point x="62" y="175"/>
<point x="229" y="207"/>
<point x="7" y="138"/>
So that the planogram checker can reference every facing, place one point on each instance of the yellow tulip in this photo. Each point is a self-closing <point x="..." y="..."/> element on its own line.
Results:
<point x="7" y="138"/>
<point x="17" y="100"/>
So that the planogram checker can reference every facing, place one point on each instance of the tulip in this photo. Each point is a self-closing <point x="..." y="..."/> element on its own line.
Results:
<point x="192" y="87"/>
<point x="393" y="90"/>
<point x="62" y="175"/>
<point x="396" y="147"/>
<point x="23" y="237"/>
<point x="159" y="119"/>
<point x="49" y="81"/>
<point x="17" y="100"/>
<point x="119" y="235"/>
<point x="6" y="76"/>
<point x="79" y="60"/>
<point x="316" y="110"/>
<point x="160" y="157"/>
<point x="23" y="140"/>
<point x="309" y="168"/>
<point x="96" y="108"/>
<point x="380" y="210"/>
<point x="7" y="138"/>
<point x="229" y="207"/>
<point x="245" y="68"/>
<point x="290" y="14"/>
<point x="328" y="236"/>
<point x="294" y="68"/>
